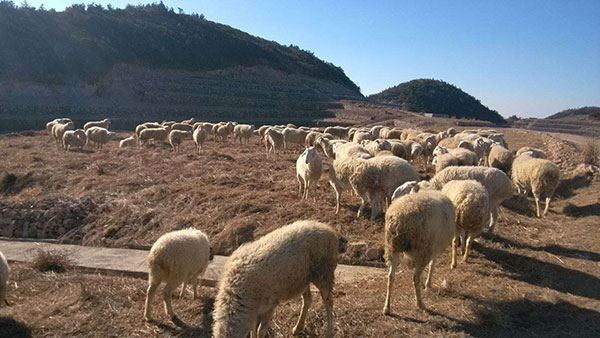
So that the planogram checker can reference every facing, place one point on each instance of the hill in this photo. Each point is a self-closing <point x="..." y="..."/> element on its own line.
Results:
<point x="148" y="62"/>
<point x="585" y="111"/>
<point x="435" y="96"/>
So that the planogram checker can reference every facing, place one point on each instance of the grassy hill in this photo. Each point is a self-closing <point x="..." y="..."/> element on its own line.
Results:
<point x="585" y="111"/>
<point x="434" y="96"/>
<point x="148" y="62"/>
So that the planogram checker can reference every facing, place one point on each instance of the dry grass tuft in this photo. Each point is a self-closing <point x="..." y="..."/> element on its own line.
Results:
<point x="13" y="184"/>
<point x="591" y="153"/>
<point x="46" y="260"/>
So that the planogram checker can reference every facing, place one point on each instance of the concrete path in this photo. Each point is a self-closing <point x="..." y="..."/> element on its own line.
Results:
<point x="133" y="262"/>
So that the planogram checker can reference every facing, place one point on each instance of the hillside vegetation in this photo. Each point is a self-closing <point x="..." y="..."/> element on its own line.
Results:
<point x="149" y="62"/>
<point x="435" y="96"/>
<point x="591" y="111"/>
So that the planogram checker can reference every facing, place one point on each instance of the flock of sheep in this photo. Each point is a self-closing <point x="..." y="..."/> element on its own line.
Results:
<point x="422" y="218"/>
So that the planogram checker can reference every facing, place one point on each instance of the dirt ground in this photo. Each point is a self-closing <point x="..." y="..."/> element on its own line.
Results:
<point x="530" y="278"/>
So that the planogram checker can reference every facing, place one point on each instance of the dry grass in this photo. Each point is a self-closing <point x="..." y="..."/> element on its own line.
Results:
<point x="591" y="153"/>
<point x="533" y="277"/>
<point x="46" y="260"/>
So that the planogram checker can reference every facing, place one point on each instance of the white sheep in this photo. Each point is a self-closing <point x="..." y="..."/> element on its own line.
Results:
<point x="444" y="161"/>
<point x="58" y="130"/>
<point x="309" y="168"/>
<point x="496" y="182"/>
<point x="74" y="138"/>
<point x="128" y="142"/>
<point x="222" y="132"/>
<point x="327" y="145"/>
<point x="199" y="137"/>
<point x="350" y="149"/>
<point x="243" y="131"/>
<point x="102" y="124"/>
<point x="98" y="136"/>
<point x="472" y="207"/>
<point x="176" y="257"/>
<point x="4" y="273"/>
<point x="500" y="158"/>
<point x="375" y="131"/>
<point x="537" y="175"/>
<point x="274" y="141"/>
<point x="176" y="137"/>
<point x="360" y="136"/>
<point x="293" y="135"/>
<point x="61" y="120"/>
<point x="156" y="134"/>
<point x="182" y="126"/>
<point x="418" y="226"/>
<point x="463" y="156"/>
<point x="337" y="131"/>
<point x="537" y="153"/>
<point x="278" y="267"/>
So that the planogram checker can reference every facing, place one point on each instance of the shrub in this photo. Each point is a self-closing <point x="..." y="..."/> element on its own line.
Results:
<point x="591" y="153"/>
<point x="45" y="260"/>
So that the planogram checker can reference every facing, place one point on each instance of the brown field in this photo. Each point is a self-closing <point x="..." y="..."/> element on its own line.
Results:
<point x="530" y="278"/>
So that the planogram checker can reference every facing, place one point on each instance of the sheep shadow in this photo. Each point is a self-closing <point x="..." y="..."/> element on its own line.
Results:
<point x="181" y="329"/>
<point x="10" y="327"/>
<point x="82" y="151"/>
<point x="566" y="187"/>
<point x="527" y="318"/>
<point x="521" y="205"/>
<point x="552" y="248"/>
<point x="582" y="211"/>
<point x="548" y="275"/>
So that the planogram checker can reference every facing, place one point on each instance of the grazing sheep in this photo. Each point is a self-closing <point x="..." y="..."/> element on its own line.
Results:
<point x="199" y="137"/>
<point x="274" y="141"/>
<point x="496" y="182"/>
<point x="166" y="124"/>
<point x="262" y="130"/>
<point x="327" y="145"/>
<point x="395" y="134"/>
<point x="97" y="136"/>
<point x="156" y="134"/>
<point x="243" y="131"/>
<point x="223" y="132"/>
<point x="472" y="208"/>
<point x="338" y="132"/>
<point x="102" y="124"/>
<point x="310" y="139"/>
<point x="498" y="138"/>
<point x="360" y="136"/>
<point x="375" y="131"/>
<point x="74" y="138"/>
<point x="190" y="121"/>
<point x="408" y="134"/>
<point x="537" y="153"/>
<point x="277" y="267"/>
<point x="62" y="120"/>
<point x="182" y="126"/>
<point x="376" y="146"/>
<point x="537" y="175"/>
<point x="309" y="168"/>
<point x="293" y="135"/>
<point x="146" y="125"/>
<point x="444" y="161"/>
<point x="176" y="257"/>
<point x="420" y="226"/>
<point x="4" y="272"/>
<point x="350" y="149"/>
<point x="463" y="156"/>
<point x="176" y="137"/>
<point x="58" y="130"/>
<point x="399" y="149"/>
<point x="452" y="131"/>
<point x="128" y="142"/>
<point x="500" y="158"/>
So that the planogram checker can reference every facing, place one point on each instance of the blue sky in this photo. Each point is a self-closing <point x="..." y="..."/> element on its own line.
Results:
<point x="530" y="58"/>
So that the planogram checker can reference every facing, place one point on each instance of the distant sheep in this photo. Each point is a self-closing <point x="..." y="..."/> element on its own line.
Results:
<point x="338" y="132"/>
<point x="537" y="153"/>
<point x="243" y="131"/>
<point x="444" y="161"/>
<point x="199" y="137"/>
<point x="4" y="273"/>
<point x="176" y="137"/>
<point x="420" y="227"/>
<point x="350" y="149"/>
<point x="292" y="135"/>
<point x="278" y="267"/>
<point x="58" y="131"/>
<point x="74" y="139"/>
<point x="102" y="124"/>
<point x="537" y="175"/>
<point x="394" y="134"/>
<point x="156" y="134"/>
<point x="273" y="142"/>
<point x="309" y="168"/>
<point x="222" y="133"/>
<point x="128" y="142"/>
<point x="327" y="145"/>
<point x="362" y="136"/>
<point x="176" y="257"/>
<point x="97" y="136"/>
<point x="62" y="120"/>
<point x="463" y="156"/>
<point x="182" y="126"/>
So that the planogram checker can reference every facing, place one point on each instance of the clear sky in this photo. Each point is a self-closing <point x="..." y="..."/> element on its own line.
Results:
<point x="529" y="58"/>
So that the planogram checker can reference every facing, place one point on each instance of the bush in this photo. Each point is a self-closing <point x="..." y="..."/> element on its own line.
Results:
<point x="591" y="153"/>
<point x="45" y="260"/>
<point x="12" y="184"/>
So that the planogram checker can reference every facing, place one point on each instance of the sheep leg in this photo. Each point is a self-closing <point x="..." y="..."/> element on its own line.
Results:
<point x="429" y="273"/>
<point x="306" y="302"/>
<point x="467" y="247"/>
<point x="265" y="323"/>
<point x="454" y="240"/>
<point x="195" y="287"/>
<point x="152" y="286"/>
<point x="547" y="206"/>
<point x="363" y="203"/>
<point x="299" y="185"/>
<point x="393" y="262"/>
<point x="537" y="204"/>
<point x="463" y="236"/>
<point x="328" y="301"/>
<point x="337" y="198"/>
<point x="167" y="297"/>
<point x="493" y="216"/>
<point x="417" y="285"/>
<point x="306" y="188"/>
<point x="182" y="289"/>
